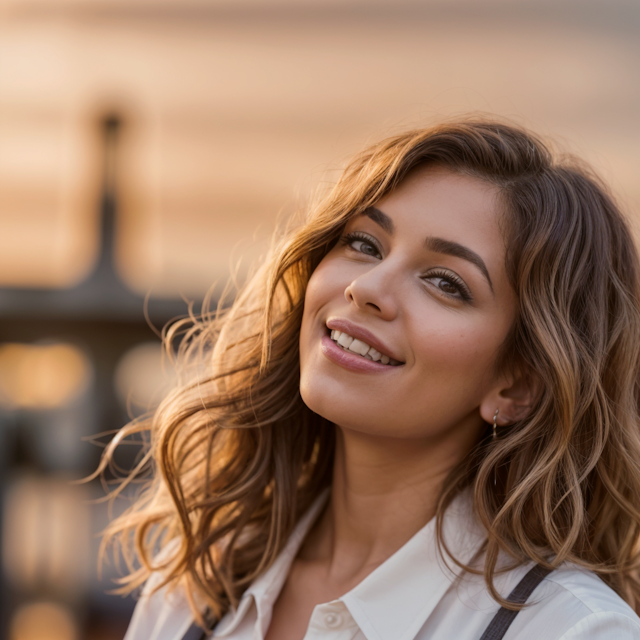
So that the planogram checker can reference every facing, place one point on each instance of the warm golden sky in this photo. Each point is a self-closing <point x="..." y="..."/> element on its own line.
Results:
<point x="237" y="110"/>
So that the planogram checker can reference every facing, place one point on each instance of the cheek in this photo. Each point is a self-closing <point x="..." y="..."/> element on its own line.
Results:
<point x="457" y="356"/>
<point x="316" y="289"/>
<point x="323" y="287"/>
<point x="327" y="284"/>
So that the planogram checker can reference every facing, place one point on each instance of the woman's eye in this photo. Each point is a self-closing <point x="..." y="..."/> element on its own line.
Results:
<point x="446" y="286"/>
<point x="365" y="247"/>
<point x="450" y="286"/>
<point x="362" y="245"/>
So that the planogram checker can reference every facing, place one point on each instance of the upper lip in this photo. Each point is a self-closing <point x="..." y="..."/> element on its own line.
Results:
<point x="341" y="324"/>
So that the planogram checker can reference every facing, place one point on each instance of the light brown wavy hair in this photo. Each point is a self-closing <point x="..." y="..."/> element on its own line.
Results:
<point x="235" y="457"/>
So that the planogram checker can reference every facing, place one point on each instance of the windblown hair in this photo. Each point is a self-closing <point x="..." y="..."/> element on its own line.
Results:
<point x="236" y="457"/>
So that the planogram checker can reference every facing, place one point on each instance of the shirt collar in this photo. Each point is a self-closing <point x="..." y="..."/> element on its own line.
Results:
<point x="264" y="591"/>
<point x="394" y="601"/>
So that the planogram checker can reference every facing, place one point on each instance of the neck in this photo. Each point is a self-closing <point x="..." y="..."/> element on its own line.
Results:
<point x="384" y="491"/>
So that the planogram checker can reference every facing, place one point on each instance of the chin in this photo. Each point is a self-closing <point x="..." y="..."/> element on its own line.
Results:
<point x="333" y="403"/>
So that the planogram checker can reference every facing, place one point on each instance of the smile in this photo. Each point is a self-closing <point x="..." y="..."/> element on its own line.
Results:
<point x="360" y="348"/>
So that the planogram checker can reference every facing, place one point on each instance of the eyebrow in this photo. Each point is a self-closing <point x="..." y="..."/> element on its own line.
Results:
<point x="438" y="245"/>
<point x="380" y="218"/>
<point x="450" y="248"/>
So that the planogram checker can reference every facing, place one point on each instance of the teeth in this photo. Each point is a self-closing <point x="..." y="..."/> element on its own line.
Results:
<point x="357" y="346"/>
<point x="361" y="348"/>
<point x="344" y="340"/>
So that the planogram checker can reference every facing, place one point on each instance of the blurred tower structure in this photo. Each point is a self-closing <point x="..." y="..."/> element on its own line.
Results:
<point x="59" y="359"/>
<point x="100" y="317"/>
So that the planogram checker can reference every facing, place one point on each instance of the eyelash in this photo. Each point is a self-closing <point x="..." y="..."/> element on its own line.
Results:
<point x="465" y="294"/>
<point x="349" y="238"/>
<point x="463" y="290"/>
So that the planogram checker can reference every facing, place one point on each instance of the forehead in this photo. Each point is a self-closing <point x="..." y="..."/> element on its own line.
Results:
<point x="443" y="203"/>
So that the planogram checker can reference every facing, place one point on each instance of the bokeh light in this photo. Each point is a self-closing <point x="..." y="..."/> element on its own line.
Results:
<point x="143" y="375"/>
<point x="43" y="621"/>
<point x="41" y="376"/>
<point x="45" y="535"/>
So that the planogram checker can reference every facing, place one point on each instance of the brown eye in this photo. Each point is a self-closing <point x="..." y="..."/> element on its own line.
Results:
<point x="448" y="287"/>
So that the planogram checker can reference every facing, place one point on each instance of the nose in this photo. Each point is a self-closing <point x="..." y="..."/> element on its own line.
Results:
<point x="374" y="291"/>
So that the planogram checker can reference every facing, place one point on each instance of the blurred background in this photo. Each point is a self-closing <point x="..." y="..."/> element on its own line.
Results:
<point x="146" y="146"/>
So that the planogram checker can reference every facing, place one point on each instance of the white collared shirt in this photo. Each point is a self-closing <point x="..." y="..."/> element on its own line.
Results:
<point x="413" y="595"/>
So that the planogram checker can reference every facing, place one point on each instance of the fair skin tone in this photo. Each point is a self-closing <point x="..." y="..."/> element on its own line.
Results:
<point x="422" y="274"/>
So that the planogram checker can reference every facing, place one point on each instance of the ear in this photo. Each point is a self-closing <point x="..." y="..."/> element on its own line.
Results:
<point x="513" y="397"/>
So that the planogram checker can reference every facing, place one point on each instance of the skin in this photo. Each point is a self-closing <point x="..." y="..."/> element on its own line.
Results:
<point x="401" y="429"/>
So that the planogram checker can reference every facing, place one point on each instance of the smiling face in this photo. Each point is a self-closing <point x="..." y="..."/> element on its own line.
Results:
<point x="421" y="279"/>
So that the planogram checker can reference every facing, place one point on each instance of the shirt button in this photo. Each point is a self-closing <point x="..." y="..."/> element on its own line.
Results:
<point x="333" y="620"/>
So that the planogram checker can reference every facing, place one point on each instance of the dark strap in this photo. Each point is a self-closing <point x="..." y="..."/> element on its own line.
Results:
<point x="503" y="619"/>
<point x="194" y="632"/>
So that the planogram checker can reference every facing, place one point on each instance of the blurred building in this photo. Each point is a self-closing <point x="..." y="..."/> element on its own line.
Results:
<point x="146" y="146"/>
<point x="75" y="362"/>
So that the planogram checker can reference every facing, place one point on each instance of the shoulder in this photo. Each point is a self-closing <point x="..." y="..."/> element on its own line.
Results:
<point x="575" y="603"/>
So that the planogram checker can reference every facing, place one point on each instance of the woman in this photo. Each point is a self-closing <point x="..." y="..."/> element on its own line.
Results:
<point x="421" y="413"/>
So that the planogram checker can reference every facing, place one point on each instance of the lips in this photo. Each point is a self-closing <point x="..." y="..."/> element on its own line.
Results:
<point x="352" y="361"/>
<point x="364" y="336"/>
<point x="353" y="345"/>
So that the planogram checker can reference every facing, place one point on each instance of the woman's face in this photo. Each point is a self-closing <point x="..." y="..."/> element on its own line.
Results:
<point x="421" y="279"/>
